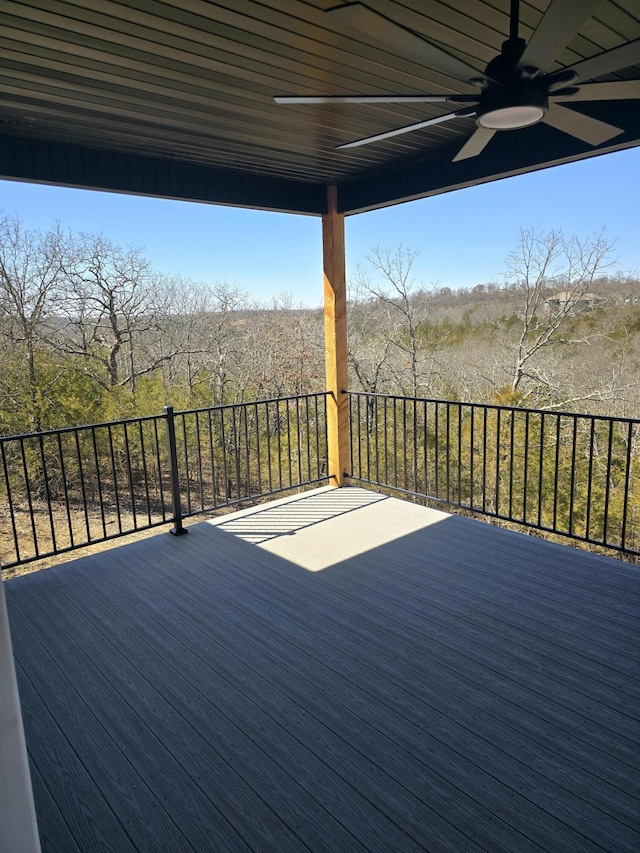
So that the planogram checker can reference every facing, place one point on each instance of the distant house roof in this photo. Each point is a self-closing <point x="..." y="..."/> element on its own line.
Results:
<point x="575" y="299"/>
<point x="572" y="296"/>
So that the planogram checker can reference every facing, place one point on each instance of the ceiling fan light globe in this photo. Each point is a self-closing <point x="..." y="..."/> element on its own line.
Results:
<point x="511" y="118"/>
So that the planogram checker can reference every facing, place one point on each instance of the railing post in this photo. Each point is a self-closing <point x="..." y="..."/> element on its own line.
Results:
<point x="178" y="530"/>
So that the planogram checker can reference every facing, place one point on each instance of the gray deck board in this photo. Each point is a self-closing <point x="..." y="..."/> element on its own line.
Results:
<point x="336" y="672"/>
<point x="244" y="736"/>
<point x="454" y="736"/>
<point x="274" y="671"/>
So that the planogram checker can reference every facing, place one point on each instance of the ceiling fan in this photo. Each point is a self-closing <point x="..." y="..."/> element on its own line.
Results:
<point x="513" y="91"/>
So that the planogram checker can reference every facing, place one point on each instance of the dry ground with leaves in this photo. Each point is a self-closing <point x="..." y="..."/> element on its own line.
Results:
<point x="24" y="531"/>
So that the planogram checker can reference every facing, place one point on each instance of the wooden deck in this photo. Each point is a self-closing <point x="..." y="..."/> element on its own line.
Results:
<point x="337" y="672"/>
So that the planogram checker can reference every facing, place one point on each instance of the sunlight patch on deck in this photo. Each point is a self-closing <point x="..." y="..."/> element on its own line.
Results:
<point x="321" y="528"/>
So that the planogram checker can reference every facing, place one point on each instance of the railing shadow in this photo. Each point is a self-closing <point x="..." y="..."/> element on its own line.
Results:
<point x="292" y="515"/>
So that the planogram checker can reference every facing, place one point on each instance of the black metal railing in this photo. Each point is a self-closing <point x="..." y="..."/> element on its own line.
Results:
<point x="231" y="454"/>
<point x="563" y="473"/>
<point x="66" y="488"/>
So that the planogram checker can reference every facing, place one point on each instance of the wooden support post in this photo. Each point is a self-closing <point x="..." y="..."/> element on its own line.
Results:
<point x="335" y="339"/>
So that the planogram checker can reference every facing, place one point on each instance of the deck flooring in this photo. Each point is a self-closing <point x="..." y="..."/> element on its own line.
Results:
<point x="340" y="671"/>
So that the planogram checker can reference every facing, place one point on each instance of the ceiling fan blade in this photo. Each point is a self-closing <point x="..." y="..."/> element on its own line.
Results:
<point x="407" y="129"/>
<point x="558" y="25"/>
<point x="476" y="143"/>
<point x="405" y="43"/>
<point x="619" y="90"/>
<point x="560" y="79"/>
<point x="376" y="99"/>
<point x="583" y="127"/>
<point x="609" y="62"/>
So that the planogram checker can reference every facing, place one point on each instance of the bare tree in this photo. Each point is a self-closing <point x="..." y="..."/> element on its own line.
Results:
<point x="368" y="347"/>
<point x="283" y="348"/>
<point x="115" y="306"/>
<point x="400" y="306"/>
<point x="225" y="328"/>
<point x="184" y="346"/>
<point x="542" y="264"/>
<point x="31" y="264"/>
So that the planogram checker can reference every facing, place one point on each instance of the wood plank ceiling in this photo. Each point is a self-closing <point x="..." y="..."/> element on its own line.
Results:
<point x="175" y="98"/>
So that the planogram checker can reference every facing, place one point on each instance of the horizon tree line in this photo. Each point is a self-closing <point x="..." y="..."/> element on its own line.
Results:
<point x="89" y="331"/>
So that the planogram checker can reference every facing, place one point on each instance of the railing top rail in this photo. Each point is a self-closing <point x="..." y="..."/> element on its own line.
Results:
<point x="496" y="406"/>
<point x="79" y="427"/>
<point x="156" y="417"/>
<point x="252" y="403"/>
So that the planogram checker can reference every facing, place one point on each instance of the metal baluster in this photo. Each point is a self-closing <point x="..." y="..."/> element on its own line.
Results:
<point x="178" y="528"/>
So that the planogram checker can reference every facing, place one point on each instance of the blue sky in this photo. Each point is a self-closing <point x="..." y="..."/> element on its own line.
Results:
<point x="462" y="237"/>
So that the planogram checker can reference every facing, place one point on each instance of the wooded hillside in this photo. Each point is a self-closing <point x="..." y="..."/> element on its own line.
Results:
<point x="90" y="332"/>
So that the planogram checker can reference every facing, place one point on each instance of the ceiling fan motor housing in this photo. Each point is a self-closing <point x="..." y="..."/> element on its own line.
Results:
<point x="511" y="97"/>
<point x="512" y="107"/>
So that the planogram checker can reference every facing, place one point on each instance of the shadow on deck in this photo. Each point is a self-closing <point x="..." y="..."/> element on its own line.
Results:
<point x="339" y="671"/>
